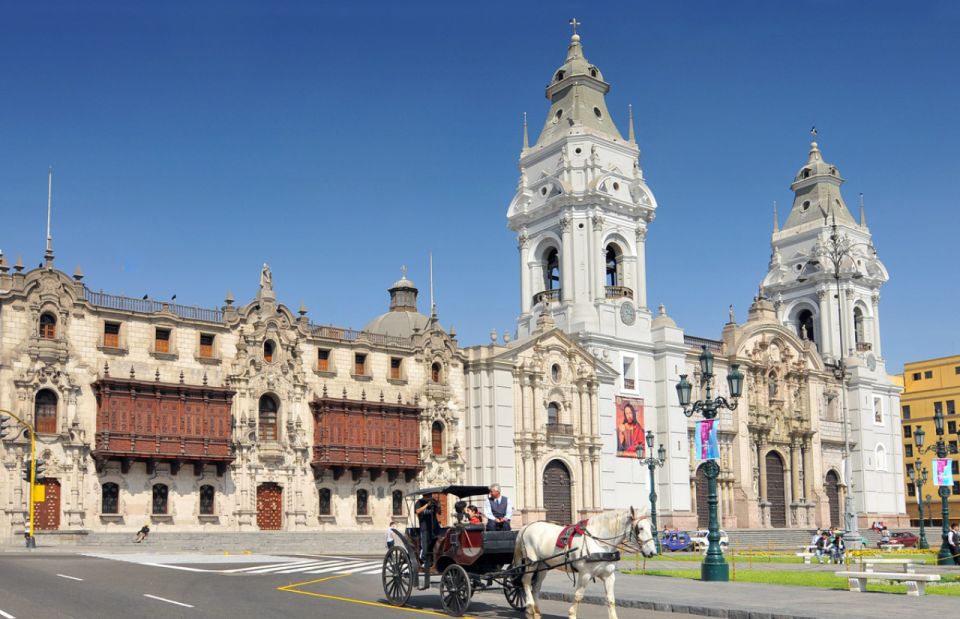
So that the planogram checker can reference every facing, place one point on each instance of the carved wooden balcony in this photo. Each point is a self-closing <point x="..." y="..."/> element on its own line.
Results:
<point x="162" y="422"/>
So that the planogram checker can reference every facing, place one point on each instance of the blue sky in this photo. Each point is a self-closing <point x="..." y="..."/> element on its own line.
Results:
<point x="193" y="141"/>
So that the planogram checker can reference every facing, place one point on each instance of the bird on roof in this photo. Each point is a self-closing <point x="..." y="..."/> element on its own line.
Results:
<point x="145" y="297"/>
<point x="173" y="298"/>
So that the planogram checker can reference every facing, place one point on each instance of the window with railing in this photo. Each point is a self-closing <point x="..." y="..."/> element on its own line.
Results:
<point x="395" y="363"/>
<point x="48" y="326"/>
<point x="268" y="418"/>
<point x="206" y="345"/>
<point x="45" y="412"/>
<point x="323" y="360"/>
<point x="436" y="438"/>
<point x="111" y="335"/>
<point x="161" y="340"/>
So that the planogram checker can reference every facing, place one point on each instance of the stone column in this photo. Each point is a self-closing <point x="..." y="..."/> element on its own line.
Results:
<point x="808" y="471"/>
<point x="797" y="492"/>
<point x="762" y="465"/>
<point x="595" y="481"/>
<point x="526" y="292"/>
<point x="826" y="334"/>
<point x="599" y="258"/>
<point x="566" y="259"/>
<point x="640" y="277"/>
<point x="875" y="299"/>
<point x="534" y="404"/>
<point x="849" y="339"/>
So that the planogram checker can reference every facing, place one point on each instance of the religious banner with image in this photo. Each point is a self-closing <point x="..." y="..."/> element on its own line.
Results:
<point x="942" y="472"/>
<point x="705" y="440"/>
<point x="630" y="441"/>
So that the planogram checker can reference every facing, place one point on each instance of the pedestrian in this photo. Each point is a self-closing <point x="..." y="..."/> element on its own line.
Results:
<point x="884" y="538"/>
<point x="822" y="547"/>
<point x="953" y="542"/>
<point x="143" y="532"/>
<point x="813" y="540"/>
<point x="427" y="508"/>
<point x="838" y="549"/>
<point x="390" y="539"/>
<point x="498" y="510"/>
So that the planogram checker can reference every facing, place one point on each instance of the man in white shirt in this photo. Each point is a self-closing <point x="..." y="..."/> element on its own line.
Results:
<point x="498" y="510"/>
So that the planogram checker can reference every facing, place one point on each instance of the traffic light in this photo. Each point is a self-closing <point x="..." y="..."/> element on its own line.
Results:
<point x="6" y="425"/>
<point x="41" y="468"/>
<point x="26" y="470"/>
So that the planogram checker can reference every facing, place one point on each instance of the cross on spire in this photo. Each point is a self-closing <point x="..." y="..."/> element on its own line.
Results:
<point x="574" y="23"/>
<point x="403" y="270"/>
<point x="813" y="131"/>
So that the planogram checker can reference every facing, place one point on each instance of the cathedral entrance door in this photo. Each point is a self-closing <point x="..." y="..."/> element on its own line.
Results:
<point x="832" y="487"/>
<point x="556" y="492"/>
<point x="703" y="510"/>
<point x="46" y="515"/>
<point x="775" y="492"/>
<point x="269" y="507"/>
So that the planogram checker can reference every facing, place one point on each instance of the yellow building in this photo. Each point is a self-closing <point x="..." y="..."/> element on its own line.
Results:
<point x="930" y="387"/>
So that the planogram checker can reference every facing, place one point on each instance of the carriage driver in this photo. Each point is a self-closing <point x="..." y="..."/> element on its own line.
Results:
<point x="497" y="510"/>
<point x="427" y="508"/>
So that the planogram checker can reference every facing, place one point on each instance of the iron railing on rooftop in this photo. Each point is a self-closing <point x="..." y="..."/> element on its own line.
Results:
<point x="150" y="306"/>
<point x="350" y="335"/>
<point x="693" y="340"/>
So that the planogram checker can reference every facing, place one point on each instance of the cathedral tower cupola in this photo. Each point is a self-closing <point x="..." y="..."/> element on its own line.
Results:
<point x="403" y="295"/>
<point x="576" y="94"/>
<point x="403" y="319"/>
<point x="817" y="193"/>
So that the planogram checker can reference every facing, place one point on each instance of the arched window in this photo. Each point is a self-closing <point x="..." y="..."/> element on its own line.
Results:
<point x="45" y="412"/>
<point x="551" y="271"/>
<point x="881" y="457"/>
<point x="110" y="499"/>
<point x="397" y="497"/>
<point x="325" y="502"/>
<point x="436" y="436"/>
<point x="362" y="503"/>
<point x="159" y="502"/>
<point x="207" y="494"/>
<point x="858" y="330"/>
<point x="805" y="325"/>
<point x="268" y="347"/>
<point x="614" y="266"/>
<point x="553" y="413"/>
<point x="436" y="372"/>
<point x="268" y="418"/>
<point x="48" y="326"/>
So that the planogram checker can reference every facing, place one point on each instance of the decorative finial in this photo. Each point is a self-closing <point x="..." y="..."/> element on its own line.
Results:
<point x="403" y="271"/>
<point x="344" y="393"/>
<point x="156" y="375"/>
<point x="106" y="368"/>
<point x="3" y="263"/>
<point x="731" y="317"/>
<point x="48" y="253"/>
<point x="303" y="309"/>
<point x="363" y="394"/>
<point x="229" y="299"/>
<point x="631" y="135"/>
<point x="662" y="309"/>
<point x="399" y="398"/>
<point x="776" y="218"/>
<point x="574" y="23"/>
<point x="863" y="213"/>
<point x="78" y="274"/>
<point x="324" y="390"/>
<point x="493" y="336"/>
<point x="18" y="265"/>
<point x="381" y="395"/>
<point x="133" y="374"/>
<point x="181" y="377"/>
<point x="526" y="137"/>
<point x="204" y="379"/>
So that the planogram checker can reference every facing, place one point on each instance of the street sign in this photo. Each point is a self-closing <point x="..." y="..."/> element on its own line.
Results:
<point x="39" y="493"/>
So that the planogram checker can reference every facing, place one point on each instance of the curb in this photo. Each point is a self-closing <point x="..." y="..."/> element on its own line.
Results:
<point x="667" y="607"/>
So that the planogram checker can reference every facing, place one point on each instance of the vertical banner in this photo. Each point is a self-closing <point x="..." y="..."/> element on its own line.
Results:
<point x="706" y="444"/>
<point x="630" y="440"/>
<point x="942" y="472"/>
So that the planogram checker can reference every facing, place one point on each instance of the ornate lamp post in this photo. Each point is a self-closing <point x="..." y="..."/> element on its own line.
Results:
<point x="713" y="567"/>
<point x="918" y="475"/>
<point x="944" y="557"/>
<point x="652" y="463"/>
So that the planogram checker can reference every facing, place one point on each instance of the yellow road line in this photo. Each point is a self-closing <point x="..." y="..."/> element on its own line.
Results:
<point x="293" y="588"/>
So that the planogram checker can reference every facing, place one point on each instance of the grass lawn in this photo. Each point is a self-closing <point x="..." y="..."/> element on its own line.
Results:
<point x="745" y="558"/>
<point x="824" y="580"/>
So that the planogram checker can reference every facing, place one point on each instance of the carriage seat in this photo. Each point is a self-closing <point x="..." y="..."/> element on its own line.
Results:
<point x="475" y="527"/>
<point x="499" y="541"/>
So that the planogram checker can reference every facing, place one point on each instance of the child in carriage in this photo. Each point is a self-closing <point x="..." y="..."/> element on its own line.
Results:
<point x="473" y="515"/>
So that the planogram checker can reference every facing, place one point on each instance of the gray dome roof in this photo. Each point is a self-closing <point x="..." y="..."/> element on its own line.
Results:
<point x="397" y="324"/>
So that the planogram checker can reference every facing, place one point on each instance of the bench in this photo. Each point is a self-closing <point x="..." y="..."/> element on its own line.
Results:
<point x="908" y="566"/>
<point x="916" y="583"/>
<point x="807" y="556"/>
<point x="891" y="546"/>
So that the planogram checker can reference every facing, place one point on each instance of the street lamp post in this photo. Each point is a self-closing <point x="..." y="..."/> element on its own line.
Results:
<point x="652" y="463"/>
<point x="926" y="506"/>
<point x="918" y="475"/>
<point x="839" y="249"/>
<point x="944" y="557"/>
<point x="714" y="567"/>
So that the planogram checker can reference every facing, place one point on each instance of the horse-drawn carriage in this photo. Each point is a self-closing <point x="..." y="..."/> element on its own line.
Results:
<point x="464" y="556"/>
<point x="467" y="558"/>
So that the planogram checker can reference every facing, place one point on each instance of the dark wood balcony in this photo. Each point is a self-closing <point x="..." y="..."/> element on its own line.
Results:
<point x="361" y="436"/>
<point x="162" y="422"/>
<point x="618" y="292"/>
<point x="547" y="296"/>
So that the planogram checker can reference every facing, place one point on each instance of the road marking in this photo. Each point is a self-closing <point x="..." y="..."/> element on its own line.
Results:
<point x="268" y="566"/>
<point x="176" y="567"/>
<point x="336" y="567"/>
<point x="154" y="597"/>
<point x="292" y="588"/>
<point x="7" y="615"/>
<point x="69" y="577"/>
<point x="289" y="568"/>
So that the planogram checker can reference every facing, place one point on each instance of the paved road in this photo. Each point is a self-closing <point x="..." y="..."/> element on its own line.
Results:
<point x="55" y="586"/>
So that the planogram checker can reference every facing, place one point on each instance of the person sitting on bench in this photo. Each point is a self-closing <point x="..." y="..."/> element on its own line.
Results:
<point x="498" y="510"/>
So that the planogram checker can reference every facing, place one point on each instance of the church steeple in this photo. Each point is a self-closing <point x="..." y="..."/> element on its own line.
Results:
<point x="817" y="193"/>
<point x="576" y="93"/>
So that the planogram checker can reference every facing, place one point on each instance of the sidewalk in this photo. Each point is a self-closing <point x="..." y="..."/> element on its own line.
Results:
<point x="738" y="600"/>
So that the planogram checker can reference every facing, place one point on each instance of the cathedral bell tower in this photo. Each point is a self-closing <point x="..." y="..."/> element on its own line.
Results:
<point x="581" y="210"/>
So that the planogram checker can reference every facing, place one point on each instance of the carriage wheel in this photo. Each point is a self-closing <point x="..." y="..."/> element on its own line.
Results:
<point x="513" y="591"/>
<point x="397" y="576"/>
<point x="455" y="590"/>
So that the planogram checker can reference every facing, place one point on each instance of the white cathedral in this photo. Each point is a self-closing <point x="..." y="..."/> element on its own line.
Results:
<point x="286" y="424"/>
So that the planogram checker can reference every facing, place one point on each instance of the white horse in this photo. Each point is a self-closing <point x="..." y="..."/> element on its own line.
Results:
<point x="537" y="543"/>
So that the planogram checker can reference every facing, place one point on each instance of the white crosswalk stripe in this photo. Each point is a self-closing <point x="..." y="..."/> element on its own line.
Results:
<point x="261" y="565"/>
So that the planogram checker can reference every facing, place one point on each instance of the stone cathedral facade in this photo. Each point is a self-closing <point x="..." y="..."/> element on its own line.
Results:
<point x="251" y="417"/>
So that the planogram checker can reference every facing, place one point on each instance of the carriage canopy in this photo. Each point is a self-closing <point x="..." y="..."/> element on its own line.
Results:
<point x="457" y="491"/>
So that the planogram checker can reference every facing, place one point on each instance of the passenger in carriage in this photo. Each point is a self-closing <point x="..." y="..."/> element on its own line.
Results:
<point x="473" y="515"/>
<point x="498" y="510"/>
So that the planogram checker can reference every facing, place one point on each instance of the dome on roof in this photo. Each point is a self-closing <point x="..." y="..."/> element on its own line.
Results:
<point x="397" y="323"/>
<point x="403" y="282"/>
<point x="816" y="166"/>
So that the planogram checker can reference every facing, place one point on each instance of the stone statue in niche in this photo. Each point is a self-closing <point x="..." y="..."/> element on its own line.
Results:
<point x="772" y="386"/>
